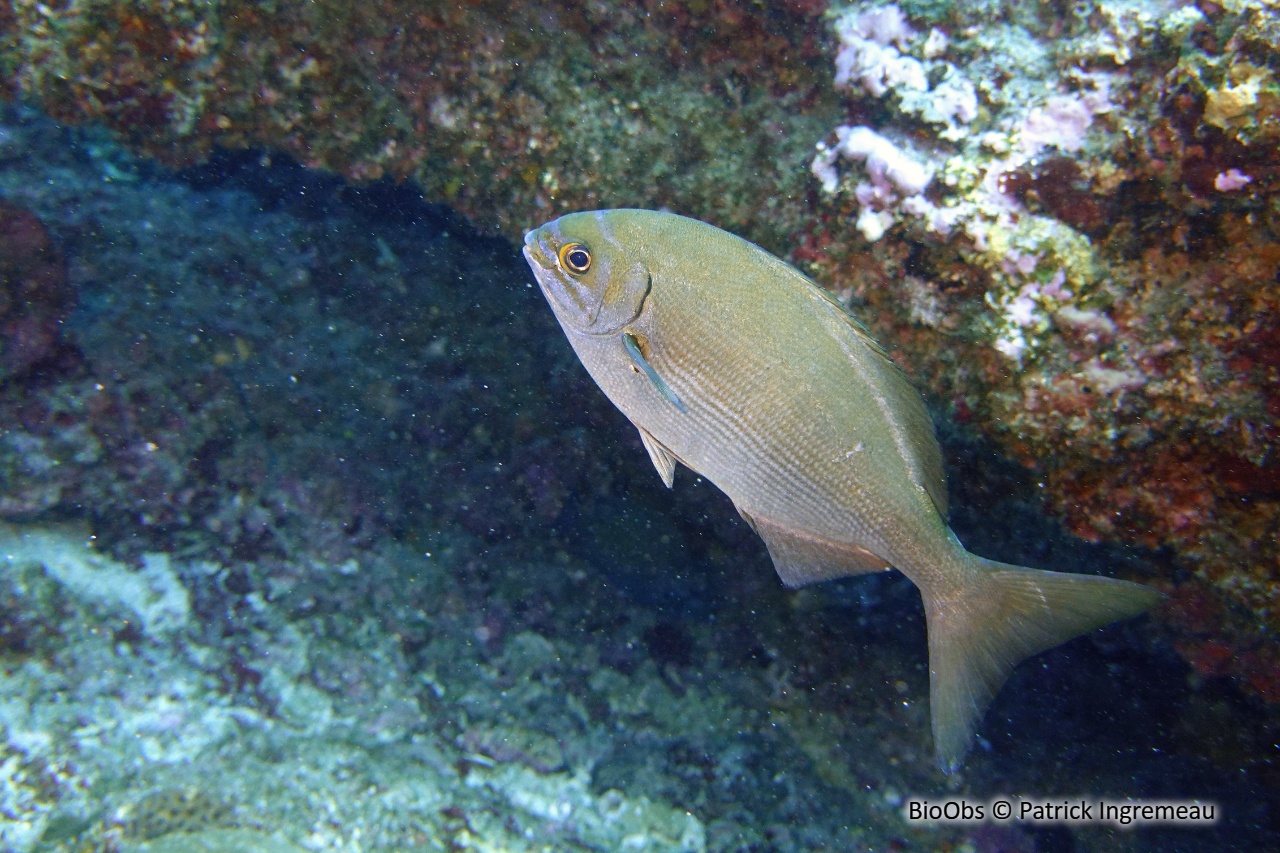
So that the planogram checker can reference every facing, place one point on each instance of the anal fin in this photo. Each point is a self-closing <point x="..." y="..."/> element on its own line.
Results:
<point x="801" y="559"/>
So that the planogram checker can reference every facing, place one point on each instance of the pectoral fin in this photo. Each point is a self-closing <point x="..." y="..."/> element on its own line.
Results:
<point x="632" y="345"/>
<point x="664" y="460"/>
<point x="801" y="559"/>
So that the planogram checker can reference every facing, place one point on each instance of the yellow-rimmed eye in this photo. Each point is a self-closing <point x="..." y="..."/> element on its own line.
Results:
<point x="575" y="258"/>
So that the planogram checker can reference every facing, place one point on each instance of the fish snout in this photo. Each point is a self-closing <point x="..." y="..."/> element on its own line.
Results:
<point x="540" y="249"/>
<point x="535" y="250"/>
<point x="529" y="256"/>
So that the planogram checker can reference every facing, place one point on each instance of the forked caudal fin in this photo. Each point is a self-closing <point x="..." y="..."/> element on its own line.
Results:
<point x="979" y="631"/>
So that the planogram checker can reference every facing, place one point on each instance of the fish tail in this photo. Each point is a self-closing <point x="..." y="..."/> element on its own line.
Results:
<point x="980" y="629"/>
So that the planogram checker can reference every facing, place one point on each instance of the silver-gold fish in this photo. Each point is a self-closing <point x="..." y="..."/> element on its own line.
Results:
<point x="738" y="366"/>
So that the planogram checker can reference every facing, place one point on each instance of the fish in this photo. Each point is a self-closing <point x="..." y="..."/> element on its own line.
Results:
<point x="733" y="363"/>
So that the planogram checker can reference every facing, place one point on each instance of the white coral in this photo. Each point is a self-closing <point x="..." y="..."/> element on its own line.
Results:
<point x="154" y="595"/>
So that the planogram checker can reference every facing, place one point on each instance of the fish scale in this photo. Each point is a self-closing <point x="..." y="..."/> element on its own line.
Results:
<point x="733" y="363"/>
<point x="778" y="482"/>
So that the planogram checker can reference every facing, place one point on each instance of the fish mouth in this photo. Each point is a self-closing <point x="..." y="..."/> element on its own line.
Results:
<point x="535" y="250"/>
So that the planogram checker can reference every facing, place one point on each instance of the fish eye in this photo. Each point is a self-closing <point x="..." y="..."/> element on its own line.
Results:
<point x="575" y="258"/>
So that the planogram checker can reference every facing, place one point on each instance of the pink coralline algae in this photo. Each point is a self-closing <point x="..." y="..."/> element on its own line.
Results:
<point x="1230" y="180"/>
<point x="1062" y="122"/>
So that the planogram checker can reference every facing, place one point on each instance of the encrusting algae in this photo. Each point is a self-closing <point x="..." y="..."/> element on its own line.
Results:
<point x="735" y="364"/>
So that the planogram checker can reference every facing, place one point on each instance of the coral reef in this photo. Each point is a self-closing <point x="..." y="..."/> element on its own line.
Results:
<point x="1065" y="223"/>
<point x="508" y="111"/>
<point x="100" y="729"/>
<point x="409" y="599"/>
<point x="153" y="596"/>
<point x="214" y="841"/>
<point x="1089" y="277"/>
<point x="353" y="545"/>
